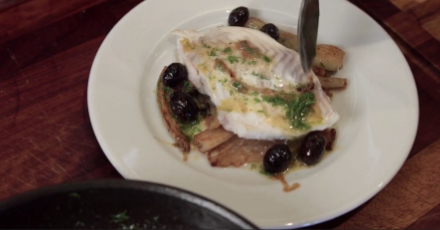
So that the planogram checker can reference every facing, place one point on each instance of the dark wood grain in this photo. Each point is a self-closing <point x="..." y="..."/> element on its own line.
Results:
<point x="32" y="15"/>
<point x="60" y="35"/>
<point x="42" y="142"/>
<point x="418" y="189"/>
<point x="430" y="220"/>
<point x="6" y="4"/>
<point x="46" y="51"/>
<point x="68" y="149"/>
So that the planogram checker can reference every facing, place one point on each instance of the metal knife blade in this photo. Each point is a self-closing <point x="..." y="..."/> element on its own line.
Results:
<point x="308" y="32"/>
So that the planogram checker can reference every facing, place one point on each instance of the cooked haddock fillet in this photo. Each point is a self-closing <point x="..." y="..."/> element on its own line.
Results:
<point x="250" y="78"/>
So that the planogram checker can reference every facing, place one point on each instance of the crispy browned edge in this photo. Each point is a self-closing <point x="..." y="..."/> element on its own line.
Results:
<point x="182" y="141"/>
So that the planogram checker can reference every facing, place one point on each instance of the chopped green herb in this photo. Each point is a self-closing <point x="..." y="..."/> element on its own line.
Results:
<point x="260" y="111"/>
<point x="275" y="100"/>
<point x="227" y="50"/>
<point x="167" y="89"/>
<point x="120" y="217"/>
<point x="132" y="226"/>
<point x="220" y="67"/>
<point x="248" y="49"/>
<point x="236" y="84"/>
<point x="322" y="65"/>
<point x="260" y="75"/>
<point x="232" y="59"/>
<point x="191" y="129"/>
<point x="266" y="59"/>
<point x="252" y="62"/>
<point x="187" y="87"/>
<point x="74" y="194"/>
<point x="299" y="109"/>
<point x="262" y="171"/>
<point x="257" y="100"/>
<point x="207" y="46"/>
<point x="223" y="81"/>
<point x="254" y="93"/>
<point x="213" y="52"/>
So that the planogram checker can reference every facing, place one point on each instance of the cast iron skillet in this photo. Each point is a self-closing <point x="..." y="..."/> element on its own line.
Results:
<point x="110" y="204"/>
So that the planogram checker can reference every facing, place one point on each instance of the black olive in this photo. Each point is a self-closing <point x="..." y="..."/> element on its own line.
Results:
<point x="277" y="158"/>
<point x="271" y="30"/>
<point x="239" y="16"/>
<point x="312" y="148"/>
<point x="174" y="74"/>
<point x="184" y="107"/>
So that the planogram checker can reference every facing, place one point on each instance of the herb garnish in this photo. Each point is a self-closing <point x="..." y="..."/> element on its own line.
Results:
<point x="120" y="217"/>
<point x="299" y="109"/>
<point x="275" y="100"/>
<point x="236" y="84"/>
<point x="220" y="67"/>
<point x="223" y="81"/>
<point x="244" y="45"/>
<point x="190" y="129"/>
<point x="266" y="59"/>
<point x="168" y="92"/>
<point x="232" y="59"/>
<point x="74" y="194"/>
<point x="213" y="52"/>
<point x="227" y="50"/>
<point x="187" y="87"/>
<point x="260" y="75"/>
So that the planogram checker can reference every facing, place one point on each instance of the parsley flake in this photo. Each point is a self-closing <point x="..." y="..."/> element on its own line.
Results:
<point x="267" y="59"/>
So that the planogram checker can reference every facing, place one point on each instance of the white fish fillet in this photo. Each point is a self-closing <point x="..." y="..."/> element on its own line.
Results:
<point x="259" y="62"/>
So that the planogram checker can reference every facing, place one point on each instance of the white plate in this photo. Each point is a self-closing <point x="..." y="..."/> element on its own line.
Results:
<point x="379" y="111"/>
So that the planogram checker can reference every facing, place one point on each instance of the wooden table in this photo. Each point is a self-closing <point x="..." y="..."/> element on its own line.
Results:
<point x="46" y="51"/>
